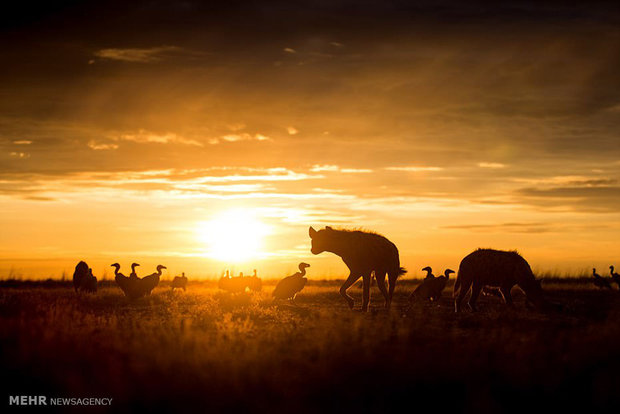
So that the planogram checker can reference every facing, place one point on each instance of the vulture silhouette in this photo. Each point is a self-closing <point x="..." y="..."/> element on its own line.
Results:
<point x="179" y="282"/>
<point x="614" y="276"/>
<point x="599" y="281"/>
<point x="288" y="287"/>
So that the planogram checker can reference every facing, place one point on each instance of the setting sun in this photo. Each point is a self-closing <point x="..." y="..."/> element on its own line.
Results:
<point x="233" y="236"/>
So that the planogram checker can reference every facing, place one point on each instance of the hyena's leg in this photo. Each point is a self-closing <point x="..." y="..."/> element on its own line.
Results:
<point x="347" y="284"/>
<point x="392" y="277"/>
<point x="505" y="290"/>
<point x="380" y="278"/>
<point x="366" y="294"/>
<point x="475" y="291"/>
<point x="465" y="285"/>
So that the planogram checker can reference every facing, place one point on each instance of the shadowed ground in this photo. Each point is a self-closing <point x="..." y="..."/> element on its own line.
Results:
<point x="217" y="351"/>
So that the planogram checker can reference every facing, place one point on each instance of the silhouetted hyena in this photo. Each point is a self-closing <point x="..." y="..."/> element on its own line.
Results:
<point x="363" y="253"/>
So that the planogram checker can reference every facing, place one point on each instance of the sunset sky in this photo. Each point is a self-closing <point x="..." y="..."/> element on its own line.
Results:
<point x="175" y="132"/>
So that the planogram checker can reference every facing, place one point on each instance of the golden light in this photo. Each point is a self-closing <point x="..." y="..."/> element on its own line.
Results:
<point x="233" y="235"/>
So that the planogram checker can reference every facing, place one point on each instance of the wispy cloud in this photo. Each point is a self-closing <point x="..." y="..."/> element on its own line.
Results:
<point x="569" y="180"/>
<point x="97" y="146"/>
<point x="336" y="168"/>
<point x="493" y="165"/>
<point x="533" y="227"/>
<point x="144" y="136"/>
<point x="414" y="168"/>
<point x="292" y="130"/>
<point x="146" y="55"/>
<point x="239" y="137"/>
<point x="289" y="50"/>
<point x="216" y="183"/>
<point x="22" y="142"/>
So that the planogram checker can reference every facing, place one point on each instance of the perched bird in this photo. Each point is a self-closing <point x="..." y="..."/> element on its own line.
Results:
<point x="89" y="282"/>
<point x="599" y="281"/>
<point x="429" y="273"/>
<point x="235" y="284"/>
<point x="439" y="284"/>
<point x="431" y="287"/>
<point x="133" y="274"/>
<point x="288" y="287"/>
<point x="81" y="271"/>
<point x="254" y="283"/>
<point x="423" y="291"/>
<point x="148" y="283"/>
<point x="224" y="281"/>
<point x="121" y="280"/>
<point x="615" y="276"/>
<point x="179" y="282"/>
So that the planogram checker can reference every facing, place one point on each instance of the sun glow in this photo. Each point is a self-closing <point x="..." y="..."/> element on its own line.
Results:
<point x="233" y="236"/>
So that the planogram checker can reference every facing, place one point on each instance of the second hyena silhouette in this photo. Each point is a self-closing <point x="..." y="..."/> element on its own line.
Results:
<point x="501" y="269"/>
<point x="363" y="253"/>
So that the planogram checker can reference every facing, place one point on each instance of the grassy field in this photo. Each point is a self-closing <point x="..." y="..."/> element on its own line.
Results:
<point x="213" y="351"/>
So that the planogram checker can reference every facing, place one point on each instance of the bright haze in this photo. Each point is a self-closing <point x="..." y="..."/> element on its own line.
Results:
<point x="211" y="136"/>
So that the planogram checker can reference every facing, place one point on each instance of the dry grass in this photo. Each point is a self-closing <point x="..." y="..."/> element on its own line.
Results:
<point x="212" y="350"/>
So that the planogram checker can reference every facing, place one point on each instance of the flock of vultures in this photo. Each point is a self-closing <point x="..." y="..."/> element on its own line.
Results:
<point x="368" y="254"/>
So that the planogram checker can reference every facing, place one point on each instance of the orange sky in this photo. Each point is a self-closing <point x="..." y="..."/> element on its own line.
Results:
<point x="445" y="129"/>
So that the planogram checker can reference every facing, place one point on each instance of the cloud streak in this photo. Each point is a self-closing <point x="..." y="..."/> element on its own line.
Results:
<point x="414" y="168"/>
<point x="137" y="55"/>
<point x="144" y="136"/>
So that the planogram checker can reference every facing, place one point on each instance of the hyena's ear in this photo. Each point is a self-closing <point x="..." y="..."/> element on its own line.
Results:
<point x="311" y="232"/>
<point x="328" y="228"/>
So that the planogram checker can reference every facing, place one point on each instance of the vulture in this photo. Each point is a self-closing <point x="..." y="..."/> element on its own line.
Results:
<point x="235" y="284"/>
<point x="81" y="272"/>
<point x="254" y="282"/>
<point x="615" y="276"/>
<point x="133" y="275"/>
<point x="224" y="281"/>
<point x="429" y="273"/>
<point x="127" y="285"/>
<point x="288" y="287"/>
<point x="148" y="283"/>
<point x="599" y="281"/>
<point x="89" y="282"/>
<point x="439" y="284"/>
<point x="179" y="282"/>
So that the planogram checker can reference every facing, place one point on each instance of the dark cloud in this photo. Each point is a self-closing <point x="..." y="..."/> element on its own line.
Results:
<point x="604" y="199"/>
<point x="526" y="228"/>
<point x="507" y="227"/>
<point x="410" y="83"/>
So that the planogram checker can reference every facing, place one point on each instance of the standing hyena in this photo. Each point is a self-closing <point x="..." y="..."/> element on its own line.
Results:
<point x="502" y="269"/>
<point x="363" y="253"/>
